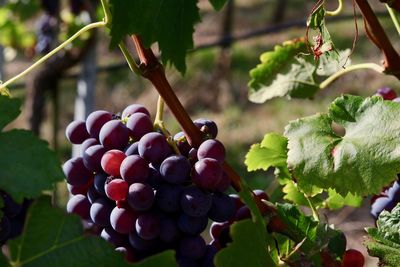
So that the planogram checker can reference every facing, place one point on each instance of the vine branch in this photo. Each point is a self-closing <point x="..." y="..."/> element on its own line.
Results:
<point x="377" y="34"/>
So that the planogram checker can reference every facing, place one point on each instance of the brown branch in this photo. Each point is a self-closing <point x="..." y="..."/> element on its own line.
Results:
<point x="377" y="34"/>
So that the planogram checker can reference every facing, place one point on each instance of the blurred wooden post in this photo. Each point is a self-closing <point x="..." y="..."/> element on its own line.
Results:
<point x="279" y="11"/>
<point x="86" y="85"/>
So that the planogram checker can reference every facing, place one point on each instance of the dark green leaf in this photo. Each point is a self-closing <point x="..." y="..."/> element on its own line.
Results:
<point x="3" y="260"/>
<point x="1" y="210"/>
<point x="249" y="247"/>
<point x="169" y="23"/>
<point x="27" y="165"/>
<point x="362" y="161"/>
<point x="53" y="238"/>
<point x="286" y="71"/>
<point x="9" y="110"/>
<point x="218" y="4"/>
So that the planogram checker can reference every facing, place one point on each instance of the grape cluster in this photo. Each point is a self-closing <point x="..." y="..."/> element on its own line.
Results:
<point x="148" y="192"/>
<point x="12" y="222"/>
<point x="390" y="196"/>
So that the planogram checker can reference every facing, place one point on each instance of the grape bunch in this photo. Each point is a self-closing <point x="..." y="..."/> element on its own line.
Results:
<point x="390" y="196"/>
<point x="13" y="219"/>
<point x="148" y="192"/>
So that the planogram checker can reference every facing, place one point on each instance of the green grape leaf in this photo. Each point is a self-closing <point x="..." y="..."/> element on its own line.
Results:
<point x="328" y="66"/>
<point x="3" y="260"/>
<point x="286" y="71"/>
<point x="384" y="241"/>
<point x="271" y="152"/>
<point x="218" y="4"/>
<point x="248" y="248"/>
<point x="361" y="161"/>
<point x="336" y="201"/>
<point x="169" y="23"/>
<point x="27" y="165"/>
<point x="9" y="110"/>
<point x="53" y="238"/>
<point x="312" y="235"/>
<point x="293" y="194"/>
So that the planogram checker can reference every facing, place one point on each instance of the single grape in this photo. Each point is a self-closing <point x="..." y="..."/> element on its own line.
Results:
<point x="386" y="93"/>
<point x="193" y="247"/>
<point x="169" y="231"/>
<point x="114" y="135"/>
<point x="117" y="189"/>
<point x="79" y="189"/>
<point x="242" y="213"/>
<point x="175" y="169"/>
<point x="154" y="147"/>
<point x="261" y="194"/>
<point x="237" y="200"/>
<point x="100" y="212"/>
<point x="168" y="198"/>
<point x="148" y="226"/>
<point x="88" y="143"/>
<point x="380" y="204"/>
<point x="192" y="156"/>
<point x="224" y="183"/>
<point x="80" y="205"/>
<point x="92" y="157"/>
<point x="195" y="202"/>
<point x="182" y="143"/>
<point x="207" y="173"/>
<point x="139" y="124"/>
<point x="92" y="194"/>
<point x="134" y="169"/>
<point x="132" y="149"/>
<point x="353" y="258"/>
<point x="76" y="132"/>
<point x="140" y="196"/>
<point x="111" y="162"/>
<point x="216" y="229"/>
<point x="207" y="126"/>
<point x="222" y="208"/>
<point x="154" y="180"/>
<point x="134" y="108"/>
<point x="123" y="220"/>
<point x="99" y="183"/>
<point x="192" y="225"/>
<point x="76" y="172"/>
<point x="114" y="237"/>
<point x="141" y="244"/>
<point x="95" y="122"/>
<point x="211" y="149"/>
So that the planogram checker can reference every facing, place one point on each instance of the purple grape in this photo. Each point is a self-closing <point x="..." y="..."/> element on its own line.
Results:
<point x="10" y="208"/>
<point x="380" y="204"/>
<point x="222" y="208"/>
<point x="192" y="247"/>
<point x="387" y="93"/>
<point x="92" y="194"/>
<point x="237" y="200"/>
<point x="114" y="135"/>
<point x="80" y="205"/>
<point x="261" y="194"/>
<point x="242" y="213"/>
<point x="207" y="173"/>
<point x="154" y="180"/>
<point x="195" y="202"/>
<point x="100" y="212"/>
<point x="394" y="192"/>
<point x="123" y="220"/>
<point x="99" y="183"/>
<point x="192" y="156"/>
<point x="154" y="147"/>
<point x="208" y="258"/>
<point x="17" y="226"/>
<point x="88" y="143"/>
<point x="113" y="237"/>
<point x="224" y="183"/>
<point x="134" y="169"/>
<point x="182" y="143"/>
<point x="140" y="196"/>
<point x="141" y="244"/>
<point x="211" y="149"/>
<point x="186" y="262"/>
<point x="168" y="198"/>
<point x="139" y="124"/>
<point x="148" y="226"/>
<point x="175" y="169"/>
<point x="132" y="149"/>
<point x="224" y="237"/>
<point x="95" y="122"/>
<point x="76" y="132"/>
<point x="192" y="225"/>
<point x="78" y="189"/>
<point x="135" y="108"/>
<point x="207" y="126"/>
<point x="76" y="172"/>
<point x="169" y="231"/>
<point x="92" y="157"/>
<point x="130" y="255"/>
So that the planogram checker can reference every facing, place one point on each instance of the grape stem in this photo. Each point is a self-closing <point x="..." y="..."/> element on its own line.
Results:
<point x="376" y="33"/>
<point x="54" y="51"/>
<point x="337" y="11"/>
<point x="312" y="207"/>
<point x="394" y="18"/>
<point x="348" y="69"/>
